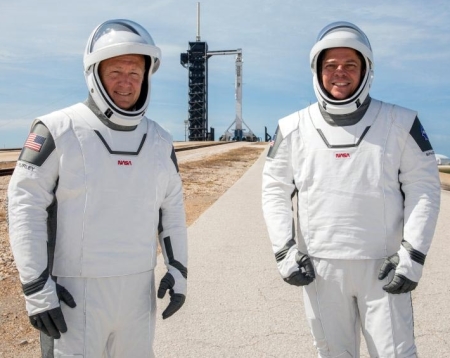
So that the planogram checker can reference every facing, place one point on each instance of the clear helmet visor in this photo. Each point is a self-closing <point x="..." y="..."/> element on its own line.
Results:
<point x="119" y="37"/>
<point x="334" y="30"/>
<point x="116" y="32"/>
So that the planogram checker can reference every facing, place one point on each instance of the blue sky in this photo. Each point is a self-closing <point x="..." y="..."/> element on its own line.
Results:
<point x="42" y="43"/>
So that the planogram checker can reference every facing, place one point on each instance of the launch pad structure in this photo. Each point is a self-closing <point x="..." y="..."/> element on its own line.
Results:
<point x="195" y="60"/>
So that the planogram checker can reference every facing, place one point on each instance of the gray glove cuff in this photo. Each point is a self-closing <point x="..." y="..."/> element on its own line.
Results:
<point x="407" y="267"/>
<point x="43" y="300"/>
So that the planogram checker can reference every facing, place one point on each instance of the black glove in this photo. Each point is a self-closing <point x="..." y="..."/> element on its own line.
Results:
<point x="52" y="322"/>
<point x="399" y="283"/>
<point x="305" y="275"/>
<point x="176" y="299"/>
<point x="65" y="296"/>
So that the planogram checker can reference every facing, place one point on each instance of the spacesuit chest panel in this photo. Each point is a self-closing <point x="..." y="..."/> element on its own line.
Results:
<point x="121" y="181"/>
<point x="341" y="185"/>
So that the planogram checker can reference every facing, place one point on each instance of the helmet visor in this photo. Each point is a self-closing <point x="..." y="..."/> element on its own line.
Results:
<point x="117" y="32"/>
<point x="346" y="26"/>
<point x="120" y="37"/>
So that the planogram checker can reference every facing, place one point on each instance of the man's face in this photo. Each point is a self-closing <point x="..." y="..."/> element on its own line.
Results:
<point x="341" y="72"/>
<point x="122" y="78"/>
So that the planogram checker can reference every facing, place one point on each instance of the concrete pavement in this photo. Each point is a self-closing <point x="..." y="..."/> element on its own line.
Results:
<point x="238" y="306"/>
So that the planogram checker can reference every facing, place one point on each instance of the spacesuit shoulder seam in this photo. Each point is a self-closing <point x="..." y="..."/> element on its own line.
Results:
<point x="161" y="132"/>
<point x="400" y="116"/>
<point x="289" y="124"/>
<point x="57" y="122"/>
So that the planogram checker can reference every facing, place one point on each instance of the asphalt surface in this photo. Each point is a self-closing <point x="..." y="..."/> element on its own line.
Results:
<point x="238" y="306"/>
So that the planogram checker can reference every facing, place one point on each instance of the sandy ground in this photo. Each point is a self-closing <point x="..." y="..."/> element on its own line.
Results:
<point x="445" y="180"/>
<point x="205" y="178"/>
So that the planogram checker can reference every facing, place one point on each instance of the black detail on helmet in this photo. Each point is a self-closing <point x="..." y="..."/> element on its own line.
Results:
<point x="108" y="113"/>
<point x="144" y="87"/>
<point x="319" y="75"/>
<point x="108" y="100"/>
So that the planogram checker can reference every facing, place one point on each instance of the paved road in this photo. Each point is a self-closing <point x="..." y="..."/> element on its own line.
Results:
<point x="199" y="154"/>
<point x="9" y="155"/>
<point x="238" y="306"/>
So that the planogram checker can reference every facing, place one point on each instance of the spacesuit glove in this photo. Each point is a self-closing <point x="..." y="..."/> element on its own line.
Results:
<point x="52" y="322"/>
<point x="305" y="274"/>
<point x="176" y="299"/>
<point x="408" y="266"/>
<point x="65" y="296"/>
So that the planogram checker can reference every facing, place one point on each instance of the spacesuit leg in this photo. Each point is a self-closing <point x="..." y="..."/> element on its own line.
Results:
<point x="133" y="336"/>
<point x="114" y="317"/>
<point x="387" y="319"/>
<point x="331" y="310"/>
<point x="81" y="328"/>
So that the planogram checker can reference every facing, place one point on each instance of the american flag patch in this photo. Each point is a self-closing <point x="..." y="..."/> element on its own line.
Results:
<point x="35" y="142"/>
<point x="272" y="142"/>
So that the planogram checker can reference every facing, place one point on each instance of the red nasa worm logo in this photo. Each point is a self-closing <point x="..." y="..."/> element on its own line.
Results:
<point x="342" y="155"/>
<point x="124" y="162"/>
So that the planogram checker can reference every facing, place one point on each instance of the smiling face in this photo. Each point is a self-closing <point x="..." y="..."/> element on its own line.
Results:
<point x="122" y="77"/>
<point x="341" y="72"/>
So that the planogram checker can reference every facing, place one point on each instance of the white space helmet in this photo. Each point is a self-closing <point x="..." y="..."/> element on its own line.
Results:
<point x="342" y="34"/>
<point x="115" y="38"/>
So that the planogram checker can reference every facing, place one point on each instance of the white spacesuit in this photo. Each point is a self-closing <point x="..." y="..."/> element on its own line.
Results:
<point x="94" y="186"/>
<point x="368" y="197"/>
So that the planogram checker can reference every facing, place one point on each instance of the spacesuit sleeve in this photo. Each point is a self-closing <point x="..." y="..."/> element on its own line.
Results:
<point x="30" y="195"/>
<point x="420" y="183"/>
<point x="277" y="189"/>
<point x="172" y="228"/>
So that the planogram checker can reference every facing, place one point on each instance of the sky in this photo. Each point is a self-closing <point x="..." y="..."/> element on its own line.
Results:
<point x="42" y="45"/>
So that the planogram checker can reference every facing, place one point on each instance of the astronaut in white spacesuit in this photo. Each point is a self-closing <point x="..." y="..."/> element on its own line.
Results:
<point x="94" y="186"/>
<point x="368" y="197"/>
